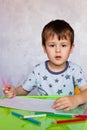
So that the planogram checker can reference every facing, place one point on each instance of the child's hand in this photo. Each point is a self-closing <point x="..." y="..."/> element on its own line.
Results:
<point x="9" y="92"/>
<point x="66" y="103"/>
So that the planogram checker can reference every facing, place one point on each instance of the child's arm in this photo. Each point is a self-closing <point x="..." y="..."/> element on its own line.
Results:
<point x="11" y="92"/>
<point x="70" y="102"/>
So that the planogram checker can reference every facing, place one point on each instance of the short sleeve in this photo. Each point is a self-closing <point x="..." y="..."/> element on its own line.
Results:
<point x="79" y="78"/>
<point x="30" y="83"/>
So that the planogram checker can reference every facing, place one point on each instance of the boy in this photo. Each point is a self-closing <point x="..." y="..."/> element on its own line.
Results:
<point x="56" y="76"/>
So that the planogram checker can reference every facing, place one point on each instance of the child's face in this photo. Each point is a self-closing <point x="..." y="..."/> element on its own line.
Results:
<point x="58" y="51"/>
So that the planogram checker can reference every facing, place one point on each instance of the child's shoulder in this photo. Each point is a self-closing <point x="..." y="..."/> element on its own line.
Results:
<point x="40" y="67"/>
<point x="40" y="64"/>
<point x="73" y="65"/>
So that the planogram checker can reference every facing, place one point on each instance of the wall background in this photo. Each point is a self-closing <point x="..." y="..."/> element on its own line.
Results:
<point x="21" y="24"/>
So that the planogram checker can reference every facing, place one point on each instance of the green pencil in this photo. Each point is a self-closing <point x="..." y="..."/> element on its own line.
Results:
<point x="68" y="115"/>
<point x="60" y="115"/>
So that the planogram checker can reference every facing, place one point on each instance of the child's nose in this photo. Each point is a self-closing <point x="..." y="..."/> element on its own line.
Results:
<point x="58" y="49"/>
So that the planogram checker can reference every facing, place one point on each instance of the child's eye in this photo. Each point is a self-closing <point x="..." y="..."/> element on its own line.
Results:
<point x="51" y="45"/>
<point x="64" y="45"/>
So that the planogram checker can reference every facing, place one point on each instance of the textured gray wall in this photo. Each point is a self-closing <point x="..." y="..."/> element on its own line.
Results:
<point x="21" y="23"/>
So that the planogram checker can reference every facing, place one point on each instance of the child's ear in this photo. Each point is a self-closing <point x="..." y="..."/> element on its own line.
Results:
<point x="44" y="48"/>
<point x="72" y="47"/>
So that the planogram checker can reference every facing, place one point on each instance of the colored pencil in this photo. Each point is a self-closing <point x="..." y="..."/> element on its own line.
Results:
<point x="55" y="114"/>
<point x="34" y="116"/>
<point x="70" y="121"/>
<point x="60" y="115"/>
<point x="16" y="114"/>
<point x="5" y="84"/>
<point x="80" y="116"/>
<point x="67" y="115"/>
<point x="29" y="119"/>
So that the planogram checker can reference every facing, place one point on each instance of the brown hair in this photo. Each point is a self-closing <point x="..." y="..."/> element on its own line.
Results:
<point x="59" y="27"/>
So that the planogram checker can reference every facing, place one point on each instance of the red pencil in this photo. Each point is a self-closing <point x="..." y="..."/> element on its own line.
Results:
<point x="81" y="116"/>
<point x="71" y="120"/>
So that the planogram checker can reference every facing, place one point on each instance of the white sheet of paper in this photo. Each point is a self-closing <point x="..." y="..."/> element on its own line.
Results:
<point x="32" y="104"/>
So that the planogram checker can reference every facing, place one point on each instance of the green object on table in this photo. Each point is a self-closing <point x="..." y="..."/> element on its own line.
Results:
<point x="10" y="122"/>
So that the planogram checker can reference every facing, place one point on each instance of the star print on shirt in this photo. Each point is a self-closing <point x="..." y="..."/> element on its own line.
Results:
<point x="29" y="79"/>
<point x="64" y="85"/>
<point x="45" y="77"/>
<point x="56" y="80"/>
<point x="33" y="72"/>
<point x="79" y="80"/>
<point x="50" y="85"/>
<point x="67" y="76"/>
<point x="70" y="93"/>
<point x="38" y="73"/>
<point x="59" y="91"/>
<point x="37" y="65"/>
<point x="80" y="72"/>
<point x="73" y="69"/>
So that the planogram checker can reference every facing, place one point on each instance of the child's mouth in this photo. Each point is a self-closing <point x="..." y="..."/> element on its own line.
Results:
<point x="58" y="57"/>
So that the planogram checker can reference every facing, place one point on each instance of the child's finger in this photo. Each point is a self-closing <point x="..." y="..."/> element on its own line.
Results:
<point x="6" y="91"/>
<point x="10" y="95"/>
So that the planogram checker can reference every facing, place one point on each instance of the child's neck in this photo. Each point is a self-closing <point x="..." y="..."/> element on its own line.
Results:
<point x="56" y="68"/>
